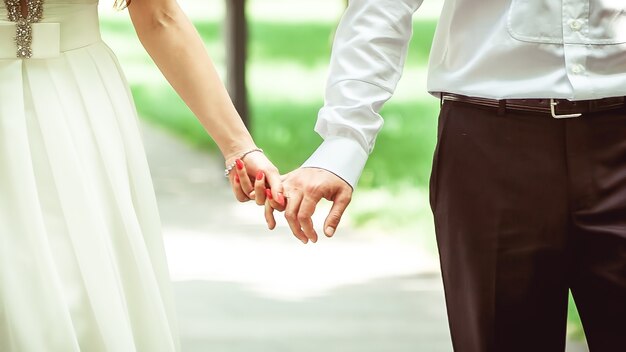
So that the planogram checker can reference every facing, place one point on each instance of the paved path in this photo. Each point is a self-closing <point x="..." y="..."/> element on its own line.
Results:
<point x="242" y="288"/>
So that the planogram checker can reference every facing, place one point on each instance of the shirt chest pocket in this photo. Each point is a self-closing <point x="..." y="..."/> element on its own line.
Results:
<point x="598" y="22"/>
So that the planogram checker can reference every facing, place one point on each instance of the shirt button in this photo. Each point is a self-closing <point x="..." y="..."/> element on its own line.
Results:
<point x="576" y="69"/>
<point x="575" y="25"/>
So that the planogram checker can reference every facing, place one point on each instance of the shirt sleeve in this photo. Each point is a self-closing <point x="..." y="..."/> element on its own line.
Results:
<point x="367" y="60"/>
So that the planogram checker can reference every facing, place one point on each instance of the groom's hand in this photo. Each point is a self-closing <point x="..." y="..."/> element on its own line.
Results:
<point x="304" y="188"/>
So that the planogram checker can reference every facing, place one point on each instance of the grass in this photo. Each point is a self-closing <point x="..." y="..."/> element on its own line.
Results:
<point x="403" y="149"/>
<point x="284" y="128"/>
<point x="574" y="325"/>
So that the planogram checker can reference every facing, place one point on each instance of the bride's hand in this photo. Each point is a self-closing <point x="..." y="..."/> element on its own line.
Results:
<point x="254" y="177"/>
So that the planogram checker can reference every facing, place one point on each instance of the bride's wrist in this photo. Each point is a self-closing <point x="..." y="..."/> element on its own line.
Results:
<point x="238" y="152"/>
<point x="231" y="161"/>
<point x="236" y="148"/>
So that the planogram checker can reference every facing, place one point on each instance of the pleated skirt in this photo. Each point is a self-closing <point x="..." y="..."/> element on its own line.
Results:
<point x="82" y="263"/>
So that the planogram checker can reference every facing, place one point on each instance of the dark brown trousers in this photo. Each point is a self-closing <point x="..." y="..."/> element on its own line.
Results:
<point x="526" y="207"/>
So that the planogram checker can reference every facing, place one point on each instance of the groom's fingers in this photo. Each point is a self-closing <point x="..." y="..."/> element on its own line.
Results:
<point x="340" y="203"/>
<point x="291" y="214"/>
<point x="307" y="209"/>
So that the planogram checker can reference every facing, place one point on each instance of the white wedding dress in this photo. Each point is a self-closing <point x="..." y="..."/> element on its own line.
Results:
<point x="82" y="264"/>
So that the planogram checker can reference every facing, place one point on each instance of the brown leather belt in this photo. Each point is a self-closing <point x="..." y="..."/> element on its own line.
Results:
<point x="558" y="108"/>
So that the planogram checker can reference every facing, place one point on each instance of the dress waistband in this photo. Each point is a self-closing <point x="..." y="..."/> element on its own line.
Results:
<point x="50" y="39"/>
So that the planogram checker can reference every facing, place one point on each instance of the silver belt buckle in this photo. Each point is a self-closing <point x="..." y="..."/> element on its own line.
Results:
<point x="553" y="105"/>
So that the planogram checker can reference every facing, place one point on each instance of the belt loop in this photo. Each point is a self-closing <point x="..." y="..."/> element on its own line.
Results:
<point x="501" y="107"/>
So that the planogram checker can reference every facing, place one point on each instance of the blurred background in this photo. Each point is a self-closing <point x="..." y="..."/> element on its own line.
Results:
<point x="376" y="286"/>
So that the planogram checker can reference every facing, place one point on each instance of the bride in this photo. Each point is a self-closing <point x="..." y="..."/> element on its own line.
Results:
<point x="82" y="265"/>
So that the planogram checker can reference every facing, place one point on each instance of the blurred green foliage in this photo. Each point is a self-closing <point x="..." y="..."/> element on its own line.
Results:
<point x="574" y="325"/>
<point x="285" y="128"/>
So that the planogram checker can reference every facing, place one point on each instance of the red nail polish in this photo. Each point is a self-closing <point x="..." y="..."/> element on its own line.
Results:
<point x="281" y="199"/>
<point x="268" y="193"/>
<point x="239" y="164"/>
<point x="259" y="175"/>
<point x="236" y="178"/>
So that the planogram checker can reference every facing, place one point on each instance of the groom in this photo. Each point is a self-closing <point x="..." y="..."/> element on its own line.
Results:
<point x="528" y="186"/>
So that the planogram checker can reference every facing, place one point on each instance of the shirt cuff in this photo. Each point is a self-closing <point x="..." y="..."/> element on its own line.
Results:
<point x="342" y="156"/>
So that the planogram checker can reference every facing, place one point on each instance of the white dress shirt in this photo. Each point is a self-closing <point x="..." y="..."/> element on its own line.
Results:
<point x="572" y="49"/>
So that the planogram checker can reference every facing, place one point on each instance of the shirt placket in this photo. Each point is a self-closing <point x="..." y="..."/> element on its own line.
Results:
<point x="575" y="22"/>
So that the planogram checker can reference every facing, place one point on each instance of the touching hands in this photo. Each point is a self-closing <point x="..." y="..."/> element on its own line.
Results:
<point x="254" y="177"/>
<point x="297" y="193"/>
<point x="304" y="188"/>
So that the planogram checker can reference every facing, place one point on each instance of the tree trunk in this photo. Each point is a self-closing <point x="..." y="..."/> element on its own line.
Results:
<point x="236" y="52"/>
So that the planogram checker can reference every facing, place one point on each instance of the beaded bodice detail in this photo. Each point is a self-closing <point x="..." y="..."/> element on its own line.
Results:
<point x="24" y="28"/>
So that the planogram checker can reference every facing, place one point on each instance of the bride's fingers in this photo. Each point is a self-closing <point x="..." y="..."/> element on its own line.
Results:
<point x="244" y="180"/>
<point x="235" y="183"/>
<point x="269" y="213"/>
<point x="259" y="188"/>
<point x="278" y="203"/>
<point x="273" y="179"/>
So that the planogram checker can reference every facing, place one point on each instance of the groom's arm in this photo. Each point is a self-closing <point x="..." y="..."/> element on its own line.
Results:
<point x="367" y="60"/>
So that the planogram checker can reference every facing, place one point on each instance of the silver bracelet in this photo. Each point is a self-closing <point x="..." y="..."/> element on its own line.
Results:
<point x="232" y="165"/>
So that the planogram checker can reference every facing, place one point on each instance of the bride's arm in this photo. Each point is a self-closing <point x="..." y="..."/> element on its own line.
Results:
<point x="176" y="47"/>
